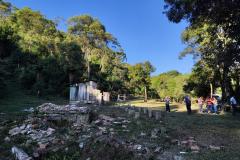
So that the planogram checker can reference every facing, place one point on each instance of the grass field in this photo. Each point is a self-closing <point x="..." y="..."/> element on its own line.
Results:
<point x="208" y="129"/>
<point x="17" y="99"/>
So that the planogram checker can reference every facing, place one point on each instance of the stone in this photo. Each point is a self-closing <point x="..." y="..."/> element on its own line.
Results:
<point x="157" y="150"/>
<point x="20" y="154"/>
<point x="184" y="143"/>
<point x="154" y="133"/>
<point x="178" y="158"/>
<point x="124" y="126"/>
<point x="214" y="148"/>
<point x="137" y="147"/>
<point x="29" y="110"/>
<point x="131" y="112"/>
<point x="157" y="115"/>
<point x="195" y="148"/>
<point x="150" y="113"/>
<point x="50" y="131"/>
<point x="43" y="146"/>
<point x="15" y="131"/>
<point x="145" y="110"/>
<point x="81" y="145"/>
<point x="137" y="115"/>
<point x="106" y="118"/>
<point x="143" y="134"/>
<point x="175" y="141"/>
<point x="36" y="154"/>
<point x="7" y="139"/>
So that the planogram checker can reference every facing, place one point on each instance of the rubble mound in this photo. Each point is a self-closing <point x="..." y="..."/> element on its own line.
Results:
<point x="53" y="108"/>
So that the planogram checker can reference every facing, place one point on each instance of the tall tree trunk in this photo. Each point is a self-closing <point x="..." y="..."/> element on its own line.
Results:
<point x="88" y="71"/>
<point x="71" y="77"/>
<point x="211" y="89"/>
<point x="145" y="94"/>
<point x="226" y="85"/>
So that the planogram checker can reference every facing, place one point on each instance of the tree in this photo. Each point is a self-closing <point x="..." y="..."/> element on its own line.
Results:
<point x="169" y="84"/>
<point x="94" y="41"/>
<point x="212" y="34"/>
<point x="139" y="75"/>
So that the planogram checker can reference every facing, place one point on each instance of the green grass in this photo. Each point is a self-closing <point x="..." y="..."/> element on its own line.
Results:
<point x="207" y="129"/>
<point x="17" y="99"/>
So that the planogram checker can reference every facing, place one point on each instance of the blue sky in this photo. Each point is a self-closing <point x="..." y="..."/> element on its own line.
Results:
<point x="139" y="25"/>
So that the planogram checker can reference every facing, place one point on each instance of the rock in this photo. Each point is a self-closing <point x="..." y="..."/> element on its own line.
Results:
<point x="157" y="150"/>
<point x="178" y="158"/>
<point x="106" y="118"/>
<point x="150" y="113"/>
<point x="50" y="131"/>
<point x="137" y="147"/>
<point x="144" y="110"/>
<point x="131" y="112"/>
<point x="124" y="126"/>
<point x="22" y="126"/>
<point x="81" y="145"/>
<point x="52" y="108"/>
<point x="20" y="154"/>
<point x="29" y="110"/>
<point x="154" y="133"/>
<point x="137" y="115"/>
<point x="143" y="134"/>
<point x="157" y="115"/>
<point x="15" y="131"/>
<point x="97" y="122"/>
<point x="35" y="154"/>
<point x="214" y="148"/>
<point x="195" y="148"/>
<point x="175" y="141"/>
<point x="42" y="146"/>
<point x="184" y="143"/>
<point x="7" y="139"/>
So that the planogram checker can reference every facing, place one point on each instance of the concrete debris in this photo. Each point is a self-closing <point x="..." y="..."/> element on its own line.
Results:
<point x="154" y="133"/>
<point x="52" y="108"/>
<point x="157" y="150"/>
<point x="214" y="148"/>
<point x="7" y="139"/>
<point x="81" y="145"/>
<point x="20" y="154"/>
<point x="29" y="110"/>
<point x="178" y="158"/>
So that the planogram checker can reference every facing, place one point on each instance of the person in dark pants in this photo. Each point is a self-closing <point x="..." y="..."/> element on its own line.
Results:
<point x="234" y="105"/>
<point x="167" y="103"/>
<point x="188" y="103"/>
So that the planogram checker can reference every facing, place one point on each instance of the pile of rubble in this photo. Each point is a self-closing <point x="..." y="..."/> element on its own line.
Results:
<point x="52" y="108"/>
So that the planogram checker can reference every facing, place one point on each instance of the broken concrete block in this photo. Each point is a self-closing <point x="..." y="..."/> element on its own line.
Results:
<point x="137" y="115"/>
<point x="20" y="154"/>
<point x="150" y="113"/>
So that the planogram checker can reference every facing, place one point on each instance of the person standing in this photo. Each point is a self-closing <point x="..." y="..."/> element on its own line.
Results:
<point x="200" y="104"/>
<point x="209" y="104"/>
<point x="167" y="103"/>
<point x="234" y="105"/>
<point x="188" y="103"/>
<point x="215" y="104"/>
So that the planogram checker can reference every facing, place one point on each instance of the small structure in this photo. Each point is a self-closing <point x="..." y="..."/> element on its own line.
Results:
<point x="121" y="98"/>
<point x="87" y="93"/>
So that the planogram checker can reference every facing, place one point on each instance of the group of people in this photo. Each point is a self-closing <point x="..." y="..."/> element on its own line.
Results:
<point x="212" y="105"/>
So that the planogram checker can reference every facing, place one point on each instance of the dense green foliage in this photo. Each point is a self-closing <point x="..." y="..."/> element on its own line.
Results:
<point x="212" y="37"/>
<point x="169" y="84"/>
<point x="45" y="60"/>
<point x="140" y="78"/>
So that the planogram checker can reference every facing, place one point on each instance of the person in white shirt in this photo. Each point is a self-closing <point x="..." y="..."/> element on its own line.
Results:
<point x="234" y="105"/>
